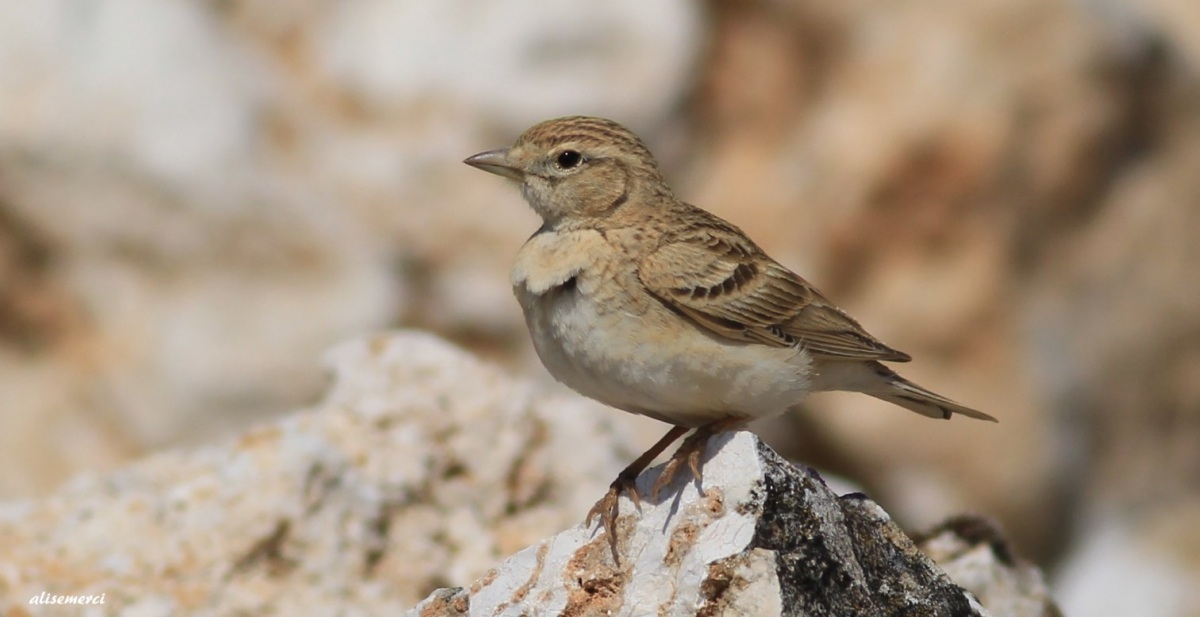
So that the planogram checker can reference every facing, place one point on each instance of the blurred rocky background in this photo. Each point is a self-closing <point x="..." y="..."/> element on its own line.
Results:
<point x="198" y="198"/>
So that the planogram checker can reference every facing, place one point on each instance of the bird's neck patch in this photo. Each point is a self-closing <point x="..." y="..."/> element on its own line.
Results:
<point x="550" y="259"/>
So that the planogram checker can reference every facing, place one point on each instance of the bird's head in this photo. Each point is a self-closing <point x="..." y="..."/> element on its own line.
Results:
<point x="575" y="167"/>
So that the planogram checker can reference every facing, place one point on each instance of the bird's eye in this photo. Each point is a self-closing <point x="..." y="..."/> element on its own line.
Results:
<point x="568" y="159"/>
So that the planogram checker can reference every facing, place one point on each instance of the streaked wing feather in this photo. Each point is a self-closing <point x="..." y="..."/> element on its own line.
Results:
<point x="727" y="285"/>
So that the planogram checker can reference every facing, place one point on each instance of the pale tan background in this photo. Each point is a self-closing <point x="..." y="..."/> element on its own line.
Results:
<point x="198" y="198"/>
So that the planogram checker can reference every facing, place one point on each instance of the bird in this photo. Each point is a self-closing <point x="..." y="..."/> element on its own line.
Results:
<point x="654" y="306"/>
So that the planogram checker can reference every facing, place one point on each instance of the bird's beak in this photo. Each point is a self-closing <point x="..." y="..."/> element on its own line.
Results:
<point x="499" y="162"/>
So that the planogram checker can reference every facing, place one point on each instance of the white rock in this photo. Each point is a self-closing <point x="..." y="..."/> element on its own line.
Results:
<point x="757" y="536"/>
<point x="422" y="465"/>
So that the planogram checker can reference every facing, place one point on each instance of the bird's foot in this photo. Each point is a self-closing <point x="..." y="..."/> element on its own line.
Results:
<point x="606" y="508"/>
<point x="689" y="452"/>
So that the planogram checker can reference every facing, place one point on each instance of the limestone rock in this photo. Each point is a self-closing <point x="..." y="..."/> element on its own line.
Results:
<point x="421" y="466"/>
<point x="424" y="466"/>
<point x="757" y="536"/>
<point x="973" y="552"/>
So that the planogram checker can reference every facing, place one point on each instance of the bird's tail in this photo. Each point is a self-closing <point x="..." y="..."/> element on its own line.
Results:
<point x="883" y="383"/>
<point x="897" y="390"/>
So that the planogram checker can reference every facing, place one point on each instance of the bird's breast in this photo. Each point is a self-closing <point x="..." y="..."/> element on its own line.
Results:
<point x="599" y="332"/>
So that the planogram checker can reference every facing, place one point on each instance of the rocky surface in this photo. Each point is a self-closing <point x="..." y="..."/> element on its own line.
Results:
<point x="756" y="536"/>
<point x="974" y="554"/>
<point x="421" y="466"/>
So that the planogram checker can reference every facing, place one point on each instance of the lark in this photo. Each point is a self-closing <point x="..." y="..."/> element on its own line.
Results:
<point x="653" y="306"/>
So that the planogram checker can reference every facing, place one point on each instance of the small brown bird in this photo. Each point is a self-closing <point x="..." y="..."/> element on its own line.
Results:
<point x="653" y="306"/>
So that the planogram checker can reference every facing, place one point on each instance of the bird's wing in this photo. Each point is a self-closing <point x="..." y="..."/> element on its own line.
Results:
<point x="729" y="286"/>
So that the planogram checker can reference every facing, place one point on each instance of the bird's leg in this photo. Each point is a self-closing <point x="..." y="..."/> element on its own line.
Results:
<point x="690" y="451"/>
<point x="606" y="508"/>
